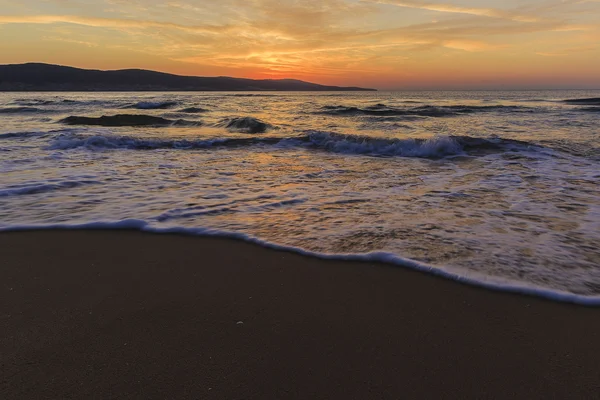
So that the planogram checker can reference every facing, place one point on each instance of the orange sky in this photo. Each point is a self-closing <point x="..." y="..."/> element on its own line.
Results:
<point x="387" y="44"/>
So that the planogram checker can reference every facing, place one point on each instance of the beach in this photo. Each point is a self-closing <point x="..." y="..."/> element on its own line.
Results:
<point x="124" y="314"/>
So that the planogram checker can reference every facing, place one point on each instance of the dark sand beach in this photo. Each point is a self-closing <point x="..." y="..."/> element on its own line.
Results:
<point x="116" y="314"/>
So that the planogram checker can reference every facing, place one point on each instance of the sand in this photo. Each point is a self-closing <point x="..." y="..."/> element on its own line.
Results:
<point x="107" y="314"/>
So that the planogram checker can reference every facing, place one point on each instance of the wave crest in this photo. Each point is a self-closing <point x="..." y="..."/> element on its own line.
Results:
<point x="436" y="147"/>
<point x="73" y="141"/>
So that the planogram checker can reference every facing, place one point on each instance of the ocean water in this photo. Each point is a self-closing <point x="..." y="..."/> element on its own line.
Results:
<point x="494" y="188"/>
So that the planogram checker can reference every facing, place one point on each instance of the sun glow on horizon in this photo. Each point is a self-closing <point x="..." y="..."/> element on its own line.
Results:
<point x="387" y="44"/>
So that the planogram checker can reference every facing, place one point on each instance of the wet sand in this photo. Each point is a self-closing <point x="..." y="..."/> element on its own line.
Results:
<point x="119" y="314"/>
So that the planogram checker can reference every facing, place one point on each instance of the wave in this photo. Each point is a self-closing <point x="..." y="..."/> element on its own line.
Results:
<point x="354" y="111"/>
<point x="127" y="120"/>
<point x="378" y="256"/>
<point x="193" y="110"/>
<point x="72" y="141"/>
<point x="436" y="147"/>
<point x="423" y="111"/>
<point x="22" y="135"/>
<point x="248" y="95"/>
<point x="377" y="106"/>
<point x="584" y="149"/>
<point x="32" y="102"/>
<point x="42" y="102"/>
<point x="246" y="125"/>
<point x="474" y="109"/>
<point x="535" y="100"/>
<point x="17" y="110"/>
<point x="584" y="102"/>
<point x="42" y="188"/>
<point x="153" y="105"/>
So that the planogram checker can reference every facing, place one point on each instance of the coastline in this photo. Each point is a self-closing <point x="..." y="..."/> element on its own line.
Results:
<point x="379" y="257"/>
<point x="96" y="314"/>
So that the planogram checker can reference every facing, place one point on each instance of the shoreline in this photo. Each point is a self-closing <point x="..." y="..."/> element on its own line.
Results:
<point x="379" y="257"/>
<point x="120" y="313"/>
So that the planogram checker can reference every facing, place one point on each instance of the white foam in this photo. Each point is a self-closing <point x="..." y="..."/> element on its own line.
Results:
<point x="382" y="257"/>
<point x="437" y="146"/>
<point x="507" y="199"/>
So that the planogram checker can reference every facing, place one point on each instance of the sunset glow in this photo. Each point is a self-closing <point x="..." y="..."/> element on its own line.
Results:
<point x="386" y="44"/>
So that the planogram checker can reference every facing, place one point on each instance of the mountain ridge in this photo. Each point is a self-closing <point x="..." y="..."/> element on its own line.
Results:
<point x="52" y="77"/>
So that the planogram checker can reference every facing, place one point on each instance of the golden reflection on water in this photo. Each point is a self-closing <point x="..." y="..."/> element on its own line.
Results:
<point x="524" y="213"/>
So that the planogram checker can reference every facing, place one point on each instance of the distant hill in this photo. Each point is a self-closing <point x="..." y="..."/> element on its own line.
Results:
<point x="48" y="77"/>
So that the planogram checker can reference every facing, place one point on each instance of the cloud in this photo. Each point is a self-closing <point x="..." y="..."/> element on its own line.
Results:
<point x="107" y="23"/>
<point x="567" y="51"/>
<point x="551" y="54"/>
<point x="450" y="8"/>
<point x="467" y="45"/>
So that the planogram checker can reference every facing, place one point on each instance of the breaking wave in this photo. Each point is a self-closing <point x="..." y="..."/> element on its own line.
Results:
<point x="127" y="120"/>
<point x="436" y="147"/>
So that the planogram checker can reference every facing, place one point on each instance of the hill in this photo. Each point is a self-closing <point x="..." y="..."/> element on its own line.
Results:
<point x="48" y="77"/>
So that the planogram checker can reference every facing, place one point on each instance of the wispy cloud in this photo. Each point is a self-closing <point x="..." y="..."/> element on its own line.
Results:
<point x="451" y="8"/>
<point x="567" y="51"/>
<point x="106" y="22"/>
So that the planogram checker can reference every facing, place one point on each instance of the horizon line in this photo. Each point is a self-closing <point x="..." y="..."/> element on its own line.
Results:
<point x="378" y="89"/>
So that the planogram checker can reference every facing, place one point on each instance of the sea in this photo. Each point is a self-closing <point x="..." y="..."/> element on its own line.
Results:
<point x="499" y="189"/>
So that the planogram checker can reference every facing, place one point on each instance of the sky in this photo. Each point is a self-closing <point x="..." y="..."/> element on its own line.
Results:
<point x="385" y="44"/>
